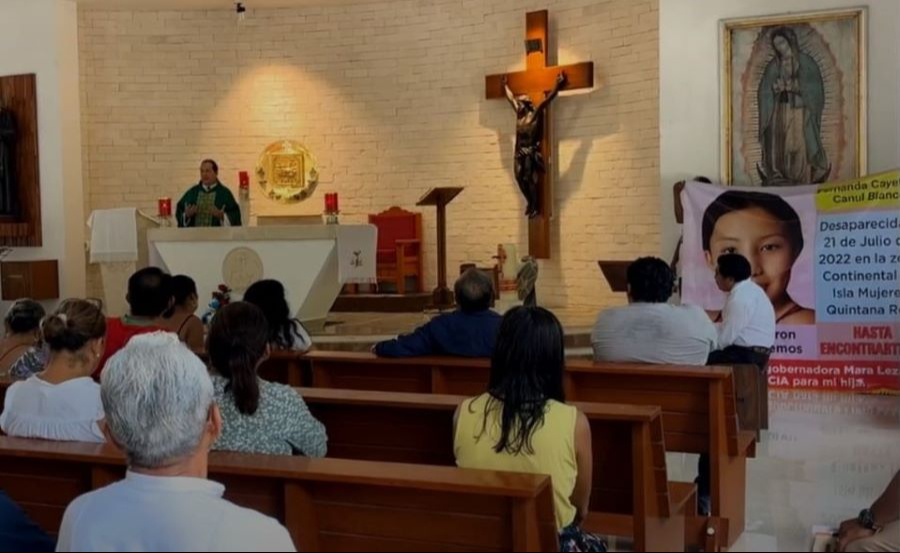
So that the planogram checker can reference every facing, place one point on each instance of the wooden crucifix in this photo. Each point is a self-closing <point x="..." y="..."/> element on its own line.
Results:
<point x="530" y="92"/>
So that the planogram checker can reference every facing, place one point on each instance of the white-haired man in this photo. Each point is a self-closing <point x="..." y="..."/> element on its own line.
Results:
<point x="160" y="409"/>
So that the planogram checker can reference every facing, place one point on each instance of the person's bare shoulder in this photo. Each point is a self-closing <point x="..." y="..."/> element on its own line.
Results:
<point x="194" y="323"/>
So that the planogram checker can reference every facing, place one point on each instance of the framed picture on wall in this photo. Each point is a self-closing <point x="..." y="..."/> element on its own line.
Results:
<point x="793" y="98"/>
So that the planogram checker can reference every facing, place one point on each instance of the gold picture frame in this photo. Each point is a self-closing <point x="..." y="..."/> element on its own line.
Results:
<point x="286" y="172"/>
<point x="759" y="142"/>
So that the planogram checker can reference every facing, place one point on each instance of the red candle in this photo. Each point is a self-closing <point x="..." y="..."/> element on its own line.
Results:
<point x="165" y="207"/>
<point x="244" y="179"/>
<point x="331" y="202"/>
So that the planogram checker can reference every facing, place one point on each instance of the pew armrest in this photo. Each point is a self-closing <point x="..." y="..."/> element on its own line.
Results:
<point x="609" y="524"/>
<point x="747" y="443"/>
<point x="683" y="497"/>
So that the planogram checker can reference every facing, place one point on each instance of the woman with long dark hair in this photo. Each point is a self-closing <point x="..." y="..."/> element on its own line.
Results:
<point x="285" y="332"/>
<point x="180" y="318"/>
<point x="522" y="423"/>
<point x="258" y="416"/>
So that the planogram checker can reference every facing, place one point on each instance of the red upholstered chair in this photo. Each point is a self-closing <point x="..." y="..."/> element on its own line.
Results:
<point x="399" y="247"/>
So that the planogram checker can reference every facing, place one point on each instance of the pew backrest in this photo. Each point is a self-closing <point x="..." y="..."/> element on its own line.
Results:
<point x="630" y="474"/>
<point x="326" y="504"/>
<point x="698" y="403"/>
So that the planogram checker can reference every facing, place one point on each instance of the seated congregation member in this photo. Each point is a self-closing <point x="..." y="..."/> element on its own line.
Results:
<point x="181" y="319"/>
<point x="18" y="532"/>
<point x="876" y="528"/>
<point x="470" y="331"/>
<point x="258" y="416"/>
<point x="62" y="403"/>
<point x="746" y="336"/>
<point x="20" y="354"/>
<point x="149" y="297"/>
<point x="161" y="411"/>
<point x="649" y="329"/>
<point x="285" y="332"/>
<point x="522" y="423"/>
<point x="747" y="333"/>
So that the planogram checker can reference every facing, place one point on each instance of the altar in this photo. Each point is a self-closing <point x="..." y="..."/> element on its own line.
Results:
<point x="312" y="261"/>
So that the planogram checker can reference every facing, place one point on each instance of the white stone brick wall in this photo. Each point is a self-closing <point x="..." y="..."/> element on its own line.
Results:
<point x="390" y="99"/>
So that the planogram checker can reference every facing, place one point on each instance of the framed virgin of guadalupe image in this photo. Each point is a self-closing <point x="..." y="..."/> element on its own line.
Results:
<point x="793" y="98"/>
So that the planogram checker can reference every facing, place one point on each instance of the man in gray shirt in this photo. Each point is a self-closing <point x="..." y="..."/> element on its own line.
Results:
<point x="650" y="330"/>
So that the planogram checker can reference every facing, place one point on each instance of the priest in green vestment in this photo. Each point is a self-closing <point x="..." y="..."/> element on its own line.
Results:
<point x="208" y="204"/>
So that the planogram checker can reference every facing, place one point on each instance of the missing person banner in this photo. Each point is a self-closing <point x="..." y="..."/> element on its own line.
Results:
<point x="827" y="256"/>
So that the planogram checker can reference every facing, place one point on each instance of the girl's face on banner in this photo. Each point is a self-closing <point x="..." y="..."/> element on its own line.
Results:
<point x="761" y="238"/>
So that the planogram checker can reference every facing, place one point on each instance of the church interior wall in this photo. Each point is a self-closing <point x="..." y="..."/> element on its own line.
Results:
<point x="41" y="37"/>
<point x="389" y="97"/>
<point x="689" y="87"/>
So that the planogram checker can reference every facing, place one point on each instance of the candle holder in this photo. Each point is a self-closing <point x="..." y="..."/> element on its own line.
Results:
<point x="331" y="209"/>
<point x="244" y="180"/>
<point x="164" y="212"/>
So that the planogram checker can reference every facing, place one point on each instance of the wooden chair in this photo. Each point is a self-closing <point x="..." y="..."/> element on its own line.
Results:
<point x="399" y="247"/>
<point x="631" y="494"/>
<point x="326" y="504"/>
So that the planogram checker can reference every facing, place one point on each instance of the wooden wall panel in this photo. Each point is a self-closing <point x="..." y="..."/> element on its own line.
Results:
<point x="18" y="93"/>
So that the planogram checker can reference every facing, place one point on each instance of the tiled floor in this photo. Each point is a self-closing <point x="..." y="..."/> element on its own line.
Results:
<point x="825" y="457"/>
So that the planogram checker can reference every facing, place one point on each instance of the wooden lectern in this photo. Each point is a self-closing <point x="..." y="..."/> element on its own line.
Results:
<point x="616" y="273"/>
<point x="440" y="197"/>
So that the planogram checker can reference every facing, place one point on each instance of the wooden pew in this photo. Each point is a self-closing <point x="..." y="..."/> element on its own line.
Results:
<point x="631" y="493"/>
<point x="4" y="384"/>
<point x="751" y="392"/>
<point x="326" y="504"/>
<point x="751" y="387"/>
<point x="629" y="457"/>
<point x="694" y="401"/>
<point x="285" y="367"/>
<point x="698" y="404"/>
<point x="699" y="414"/>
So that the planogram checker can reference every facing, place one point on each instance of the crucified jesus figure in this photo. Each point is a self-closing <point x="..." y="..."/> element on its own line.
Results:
<point x="529" y="137"/>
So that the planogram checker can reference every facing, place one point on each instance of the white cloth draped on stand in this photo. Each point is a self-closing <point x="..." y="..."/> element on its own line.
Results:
<point x="356" y="247"/>
<point x="114" y="236"/>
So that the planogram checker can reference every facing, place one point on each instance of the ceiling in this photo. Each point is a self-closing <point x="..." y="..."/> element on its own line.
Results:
<point x="208" y="4"/>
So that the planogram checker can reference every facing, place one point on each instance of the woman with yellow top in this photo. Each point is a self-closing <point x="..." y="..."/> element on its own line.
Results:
<point x="522" y="423"/>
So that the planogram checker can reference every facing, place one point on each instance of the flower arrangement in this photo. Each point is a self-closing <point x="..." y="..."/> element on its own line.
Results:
<point x="220" y="298"/>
